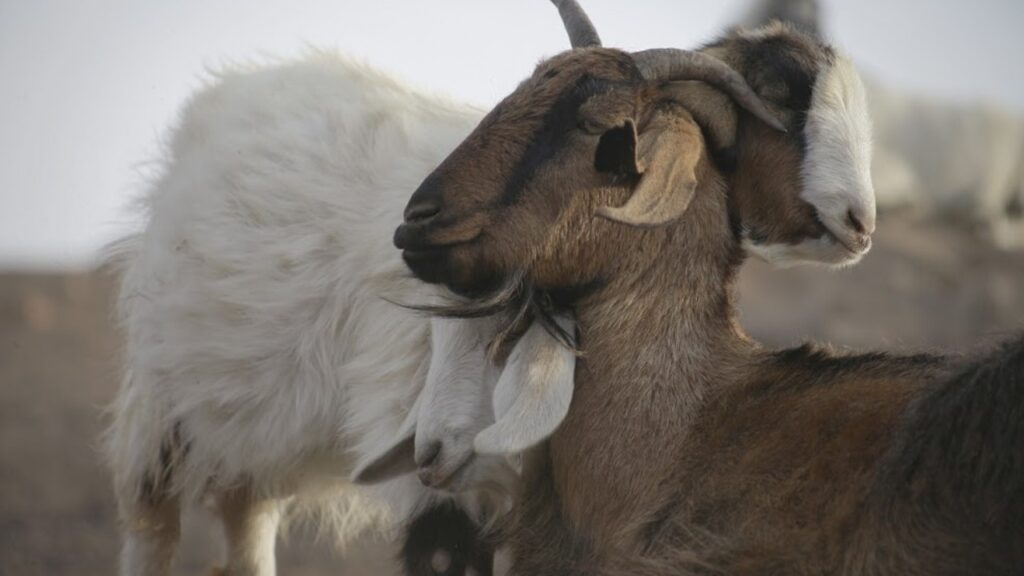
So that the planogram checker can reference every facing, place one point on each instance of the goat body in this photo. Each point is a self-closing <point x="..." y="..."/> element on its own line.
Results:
<point x="799" y="462"/>
<point x="689" y="448"/>
<point x="263" y="360"/>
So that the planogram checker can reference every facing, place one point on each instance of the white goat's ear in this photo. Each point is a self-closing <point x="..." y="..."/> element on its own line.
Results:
<point x="394" y="459"/>
<point x="533" y="393"/>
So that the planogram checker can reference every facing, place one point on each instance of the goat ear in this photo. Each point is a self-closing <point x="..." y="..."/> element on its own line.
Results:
<point x="395" y="459"/>
<point x="533" y="393"/>
<point x="616" y="151"/>
<point x="669" y="150"/>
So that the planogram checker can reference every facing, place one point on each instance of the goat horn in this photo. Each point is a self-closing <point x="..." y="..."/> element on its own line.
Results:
<point x="581" y="32"/>
<point x="668" y="64"/>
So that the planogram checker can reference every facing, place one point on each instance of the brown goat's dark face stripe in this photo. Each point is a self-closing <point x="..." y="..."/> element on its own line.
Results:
<point x="551" y="137"/>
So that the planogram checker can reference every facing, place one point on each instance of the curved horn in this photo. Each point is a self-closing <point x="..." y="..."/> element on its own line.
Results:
<point x="577" y="24"/>
<point x="668" y="64"/>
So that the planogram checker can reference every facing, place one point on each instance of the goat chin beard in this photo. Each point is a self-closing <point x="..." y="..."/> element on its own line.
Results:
<point x="517" y="299"/>
<point x="826" y="250"/>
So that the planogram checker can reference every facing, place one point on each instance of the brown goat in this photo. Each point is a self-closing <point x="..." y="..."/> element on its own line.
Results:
<point x="689" y="448"/>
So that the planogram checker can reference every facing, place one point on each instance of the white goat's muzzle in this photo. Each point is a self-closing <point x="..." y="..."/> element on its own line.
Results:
<point x="837" y="166"/>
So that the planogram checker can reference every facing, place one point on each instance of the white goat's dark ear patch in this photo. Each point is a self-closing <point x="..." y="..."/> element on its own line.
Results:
<point x="616" y="151"/>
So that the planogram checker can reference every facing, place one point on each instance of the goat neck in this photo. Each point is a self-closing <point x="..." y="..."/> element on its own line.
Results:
<point x="656" y="341"/>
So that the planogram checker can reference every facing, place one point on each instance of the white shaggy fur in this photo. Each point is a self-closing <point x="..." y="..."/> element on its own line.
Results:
<point x="262" y="360"/>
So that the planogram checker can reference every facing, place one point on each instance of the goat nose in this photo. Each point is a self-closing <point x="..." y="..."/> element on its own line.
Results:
<point x="861" y="221"/>
<point x="854" y="222"/>
<point x="421" y="210"/>
<point x="425" y="459"/>
<point x="860" y="240"/>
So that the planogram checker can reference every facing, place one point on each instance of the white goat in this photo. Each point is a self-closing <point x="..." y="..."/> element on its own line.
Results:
<point x="262" y="359"/>
<point x="964" y="162"/>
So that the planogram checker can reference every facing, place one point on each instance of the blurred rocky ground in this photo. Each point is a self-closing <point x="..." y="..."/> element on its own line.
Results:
<point x="921" y="287"/>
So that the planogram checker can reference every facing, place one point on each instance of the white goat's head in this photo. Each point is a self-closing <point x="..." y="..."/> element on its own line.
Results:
<point x="471" y="416"/>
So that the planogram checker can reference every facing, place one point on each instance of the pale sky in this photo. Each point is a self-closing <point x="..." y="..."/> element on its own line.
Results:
<point x="88" y="88"/>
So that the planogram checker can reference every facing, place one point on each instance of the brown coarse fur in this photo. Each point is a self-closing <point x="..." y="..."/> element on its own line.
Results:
<point x="689" y="448"/>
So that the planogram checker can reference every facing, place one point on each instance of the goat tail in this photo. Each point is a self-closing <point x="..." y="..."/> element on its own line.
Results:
<point x="142" y="451"/>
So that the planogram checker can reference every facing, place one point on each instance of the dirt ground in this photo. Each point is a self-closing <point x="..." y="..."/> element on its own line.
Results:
<point x="922" y="287"/>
